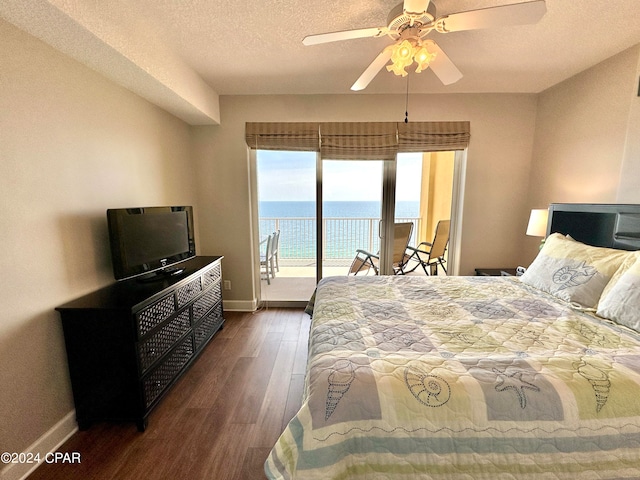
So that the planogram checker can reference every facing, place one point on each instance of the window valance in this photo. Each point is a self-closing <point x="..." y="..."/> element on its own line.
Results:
<point x="359" y="140"/>
<point x="433" y="136"/>
<point x="295" y="137"/>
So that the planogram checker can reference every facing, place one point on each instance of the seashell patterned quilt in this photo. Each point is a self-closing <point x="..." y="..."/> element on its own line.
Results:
<point x="461" y="378"/>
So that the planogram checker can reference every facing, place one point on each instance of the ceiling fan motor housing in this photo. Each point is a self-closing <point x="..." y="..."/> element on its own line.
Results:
<point x="398" y="21"/>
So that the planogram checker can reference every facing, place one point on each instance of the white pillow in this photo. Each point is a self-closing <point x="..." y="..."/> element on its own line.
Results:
<point x="573" y="271"/>
<point x="622" y="269"/>
<point x="622" y="303"/>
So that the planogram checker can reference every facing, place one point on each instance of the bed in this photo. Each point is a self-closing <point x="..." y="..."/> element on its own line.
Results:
<point x="480" y="377"/>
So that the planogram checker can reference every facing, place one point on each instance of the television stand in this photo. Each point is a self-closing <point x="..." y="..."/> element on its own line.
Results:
<point x="128" y="343"/>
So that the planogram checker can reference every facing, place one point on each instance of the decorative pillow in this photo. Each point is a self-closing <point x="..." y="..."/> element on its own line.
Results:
<point x="632" y="258"/>
<point x="573" y="271"/>
<point x="622" y="303"/>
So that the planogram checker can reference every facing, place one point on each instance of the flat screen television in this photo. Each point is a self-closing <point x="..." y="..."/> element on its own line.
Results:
<point x="150" y="241"/>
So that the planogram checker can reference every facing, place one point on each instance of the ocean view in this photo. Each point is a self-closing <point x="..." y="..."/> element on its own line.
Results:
<point x="348" y="225"/>
<point x="335" y="209"/>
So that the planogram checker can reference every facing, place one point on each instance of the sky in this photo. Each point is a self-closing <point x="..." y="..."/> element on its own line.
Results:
<point x="290" y="176"/>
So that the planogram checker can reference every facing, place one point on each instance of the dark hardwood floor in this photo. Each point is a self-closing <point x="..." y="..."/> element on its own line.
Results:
<point x="219" y="421"/>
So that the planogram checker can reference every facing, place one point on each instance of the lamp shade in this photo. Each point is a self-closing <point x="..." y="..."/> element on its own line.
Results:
<point x="538" y="222"/>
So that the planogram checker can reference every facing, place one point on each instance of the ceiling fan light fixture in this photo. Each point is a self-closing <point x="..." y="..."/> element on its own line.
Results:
<point x="397" y="69"/>
<point x="405" y="53"/>
<point x="401" y="57"/>
<point x="423" y="58"/>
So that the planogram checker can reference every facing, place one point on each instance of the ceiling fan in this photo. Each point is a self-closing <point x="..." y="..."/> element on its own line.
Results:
<point x="410" y="22"/>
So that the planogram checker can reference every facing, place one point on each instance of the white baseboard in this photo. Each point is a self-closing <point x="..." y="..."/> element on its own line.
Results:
<point x="49" y="442"/>
<point x="240" y="305"/>
<point x="252" y="305"/>
<point x="284" y="303"/>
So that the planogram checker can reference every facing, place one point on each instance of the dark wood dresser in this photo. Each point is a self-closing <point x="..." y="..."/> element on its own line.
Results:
<point x="129" y="342"/>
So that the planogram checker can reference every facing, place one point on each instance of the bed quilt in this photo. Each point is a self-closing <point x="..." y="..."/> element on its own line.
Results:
<point x="461" y="378"/>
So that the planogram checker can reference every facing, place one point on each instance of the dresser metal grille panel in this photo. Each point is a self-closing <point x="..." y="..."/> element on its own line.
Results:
<point x="189" y="291"/>
<point x="212" y="275"/>
<point x="210" y="324"/>
<point x="155" y="314"/>
<point x="158" y="344"/>
<point x="162" y="376"/>
<point x="205" y="303"/>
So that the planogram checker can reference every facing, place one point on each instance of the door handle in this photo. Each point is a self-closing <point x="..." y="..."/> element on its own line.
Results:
<point x="380" y="229"/>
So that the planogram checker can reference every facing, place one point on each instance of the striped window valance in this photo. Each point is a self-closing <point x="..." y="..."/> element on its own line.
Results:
<point x="433" y="136"/>
<point x="359" y="140"/>
<point x="295" y="137"/>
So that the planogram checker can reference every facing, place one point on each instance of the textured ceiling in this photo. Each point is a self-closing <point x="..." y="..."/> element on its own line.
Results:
<point x="189" y="51"/>
<point x="255" y="47"/>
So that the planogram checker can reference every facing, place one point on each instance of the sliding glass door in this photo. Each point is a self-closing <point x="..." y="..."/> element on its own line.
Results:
<point x="360" y="143"/>
<point x="324" y="211"/>
<point x="351" y="212"/>
<point x="287" y="224"/>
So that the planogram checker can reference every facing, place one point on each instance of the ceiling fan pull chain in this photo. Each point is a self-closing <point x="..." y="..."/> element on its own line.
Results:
<point x="406" y="105"/>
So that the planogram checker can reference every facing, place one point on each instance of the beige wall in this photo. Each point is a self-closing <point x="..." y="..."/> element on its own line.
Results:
<point x="495" y="213"/>
<point x="629" y="188"/>
<point x="587" y="139"/>
<point x="72" y="144"/>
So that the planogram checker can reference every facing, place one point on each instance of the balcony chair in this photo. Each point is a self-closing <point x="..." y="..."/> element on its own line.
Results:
<point x="364" y="260"/>
<point x="266" y="259"/>
<point x="434" y="256"/>
<point x="275" y="241"/>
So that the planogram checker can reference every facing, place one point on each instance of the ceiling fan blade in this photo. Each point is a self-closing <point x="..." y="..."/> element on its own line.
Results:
<point x="344" y="35"/>
<point x="514" y="14"/>
<point x="442" y="66"/>
<point x="415" y="6"/>
<point x="373" y="69"/>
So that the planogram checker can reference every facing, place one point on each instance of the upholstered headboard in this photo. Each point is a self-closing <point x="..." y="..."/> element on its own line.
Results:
<point x="601" y="225"/>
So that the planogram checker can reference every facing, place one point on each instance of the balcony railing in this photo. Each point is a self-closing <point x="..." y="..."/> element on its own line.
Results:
<point x="341" y="236"/>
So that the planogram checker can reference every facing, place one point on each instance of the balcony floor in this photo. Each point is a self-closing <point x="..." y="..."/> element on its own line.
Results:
<point x="295" y="282"/>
